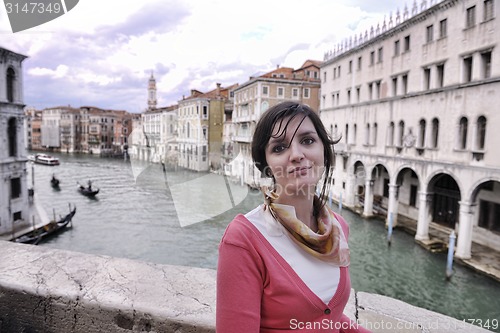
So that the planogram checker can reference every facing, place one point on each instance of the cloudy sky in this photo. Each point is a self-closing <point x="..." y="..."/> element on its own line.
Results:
<point x="101" y="53"/>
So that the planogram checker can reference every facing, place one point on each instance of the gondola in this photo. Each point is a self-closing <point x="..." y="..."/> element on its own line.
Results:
<point x="87" y="191"/>
<point x="54" y="182"/>
<point x="52" y="228"/>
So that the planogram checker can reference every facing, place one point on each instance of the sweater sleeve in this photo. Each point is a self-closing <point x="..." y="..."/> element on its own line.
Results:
<point x="239" y="289"/>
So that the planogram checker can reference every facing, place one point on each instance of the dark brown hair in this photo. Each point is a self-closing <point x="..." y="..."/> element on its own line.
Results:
<point x="275" y="115"/>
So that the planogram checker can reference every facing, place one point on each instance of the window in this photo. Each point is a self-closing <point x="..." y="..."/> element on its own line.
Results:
<point x="281" y="92"/>
<point x="404" y="78"/>
<point x="440" y="75"/>
<point x="335" y="72"/>
<point x="367" y="134"/>
<point x="406" y="46"/>
<point x="355" y="134"/>
<point x="486" y="64"/>
<point x="386" y="188"/>
<point x="468" y="69"/>
<point x="462" y="133"/>
<point x="205" y="112"/>
<point x="427" y="78"/>
<point x="377" y="90"/>
<point x="348" y="96"/>
<point x="430" y="33"/>
<point x="374" y="134"/>
<point x="347" y="141"/>
<point x="488" y="10"/>
<point x="470" y="20"/>
<point x="358" y="94"/>
<point x="396" y="48"/>
<point x="381" y="54"/>
<point x="435" y="133"/>
<point x="401" y="133"/>
<point x="395" y="86"/>
<point x="421" y="134"/>
<point x="390" y="135"/>
<point x="324" y="76"/>
<point x="204" y="130"/>
<point x="265" y="90"/>
<point x="306" y="92"/>
<point x="370" y="91"/>
<point x="443" y="28"/>
<point x="338" y="98"/>
<point x="15" y="188"/>
<point x="481" y="133"/>
<point x="12" y="136"/>
<point x="11" y="76"/>
<point x="350" y="66"/>
<point x="413" y="195"/>
<point x="338" y="72"/>
<point x="295" y="93"/>
<point x="372" y="58"/>
<point x="359" y="63"/>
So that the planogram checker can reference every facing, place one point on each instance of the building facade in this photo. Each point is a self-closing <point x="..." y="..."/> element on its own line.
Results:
<point x="415" y="107"/>
<point x="254" y="97"/>
<point x="200" y="126"/>
<point x="15" y="211"/>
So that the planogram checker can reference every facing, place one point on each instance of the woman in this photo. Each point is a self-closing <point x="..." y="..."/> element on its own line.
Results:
<point x="284" y="265"/>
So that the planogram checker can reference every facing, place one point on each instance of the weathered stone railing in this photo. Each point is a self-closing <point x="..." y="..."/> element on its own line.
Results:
<point x="54" y="291"/>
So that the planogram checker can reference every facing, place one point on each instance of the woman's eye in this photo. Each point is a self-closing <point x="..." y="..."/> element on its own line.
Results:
<point x="308" y="141"/>
<point x="278" y="148"/>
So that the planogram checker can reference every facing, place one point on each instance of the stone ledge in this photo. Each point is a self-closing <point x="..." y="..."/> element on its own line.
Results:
<point x="47" y="290"/>
<point x="53" y="291"/>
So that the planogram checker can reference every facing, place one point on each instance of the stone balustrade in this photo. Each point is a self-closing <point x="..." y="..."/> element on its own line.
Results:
<point x="51" y="291"/>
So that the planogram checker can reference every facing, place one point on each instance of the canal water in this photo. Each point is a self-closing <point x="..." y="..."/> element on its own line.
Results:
<point x="134" y="216"/>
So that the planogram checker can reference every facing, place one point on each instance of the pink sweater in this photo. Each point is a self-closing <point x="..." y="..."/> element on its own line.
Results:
<point x="258" y="291"/>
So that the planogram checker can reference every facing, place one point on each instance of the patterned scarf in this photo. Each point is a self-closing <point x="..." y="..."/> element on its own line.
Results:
<point x="328" y="244"/>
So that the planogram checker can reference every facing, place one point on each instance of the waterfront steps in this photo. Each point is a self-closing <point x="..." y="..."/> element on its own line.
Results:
<point x="55" y="291"/>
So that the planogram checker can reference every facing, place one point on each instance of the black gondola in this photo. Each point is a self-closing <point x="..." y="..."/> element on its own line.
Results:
<point x="54" y="182"/>
<point x="88" y="191"/>
<point x="53" y="227"/>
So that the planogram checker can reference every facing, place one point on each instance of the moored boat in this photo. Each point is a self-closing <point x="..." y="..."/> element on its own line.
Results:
<point x="53" y="227"/>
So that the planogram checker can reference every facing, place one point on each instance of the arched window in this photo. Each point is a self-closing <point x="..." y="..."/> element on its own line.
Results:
<point x="374" y="134"/>
<point x="435" y="133"/>
<point x="355" y="134"/>
<point x="11" y="78"/>
<point x="390" y="135"/>
<point x="12" y="135"/>
<point x="462" y="133"/>
<point x="401" y="133"/>
<point x="481" y="132"/>
<point x="421" y="134"/>
<point x="367" y="134"/>
<point x="347" y="133"/>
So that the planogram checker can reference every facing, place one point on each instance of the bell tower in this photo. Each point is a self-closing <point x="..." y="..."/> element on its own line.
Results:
<point x="152" y="93"/>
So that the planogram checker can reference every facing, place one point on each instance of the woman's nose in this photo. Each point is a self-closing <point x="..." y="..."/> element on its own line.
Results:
<point x="296" y="152"/>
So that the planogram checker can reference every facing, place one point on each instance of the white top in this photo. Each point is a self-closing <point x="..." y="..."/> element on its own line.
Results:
<point x="321" y="277"/>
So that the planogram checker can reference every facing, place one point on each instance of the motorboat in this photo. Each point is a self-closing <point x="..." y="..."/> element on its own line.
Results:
<point x="45" y="159"/>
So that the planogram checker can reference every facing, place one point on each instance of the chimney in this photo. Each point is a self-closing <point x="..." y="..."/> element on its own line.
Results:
<point x="217" y="92"/>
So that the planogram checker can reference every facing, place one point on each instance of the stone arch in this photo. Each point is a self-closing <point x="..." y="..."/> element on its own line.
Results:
<point x="446" y="195"/>
<point x="408" y="187"/>
<point x="485" y="196"/>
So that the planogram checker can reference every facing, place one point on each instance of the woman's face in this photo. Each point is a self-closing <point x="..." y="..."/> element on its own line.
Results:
<point x="295" y="158"/>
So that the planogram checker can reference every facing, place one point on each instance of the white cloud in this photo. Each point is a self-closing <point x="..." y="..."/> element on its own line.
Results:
<point x="59" y="72"/>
